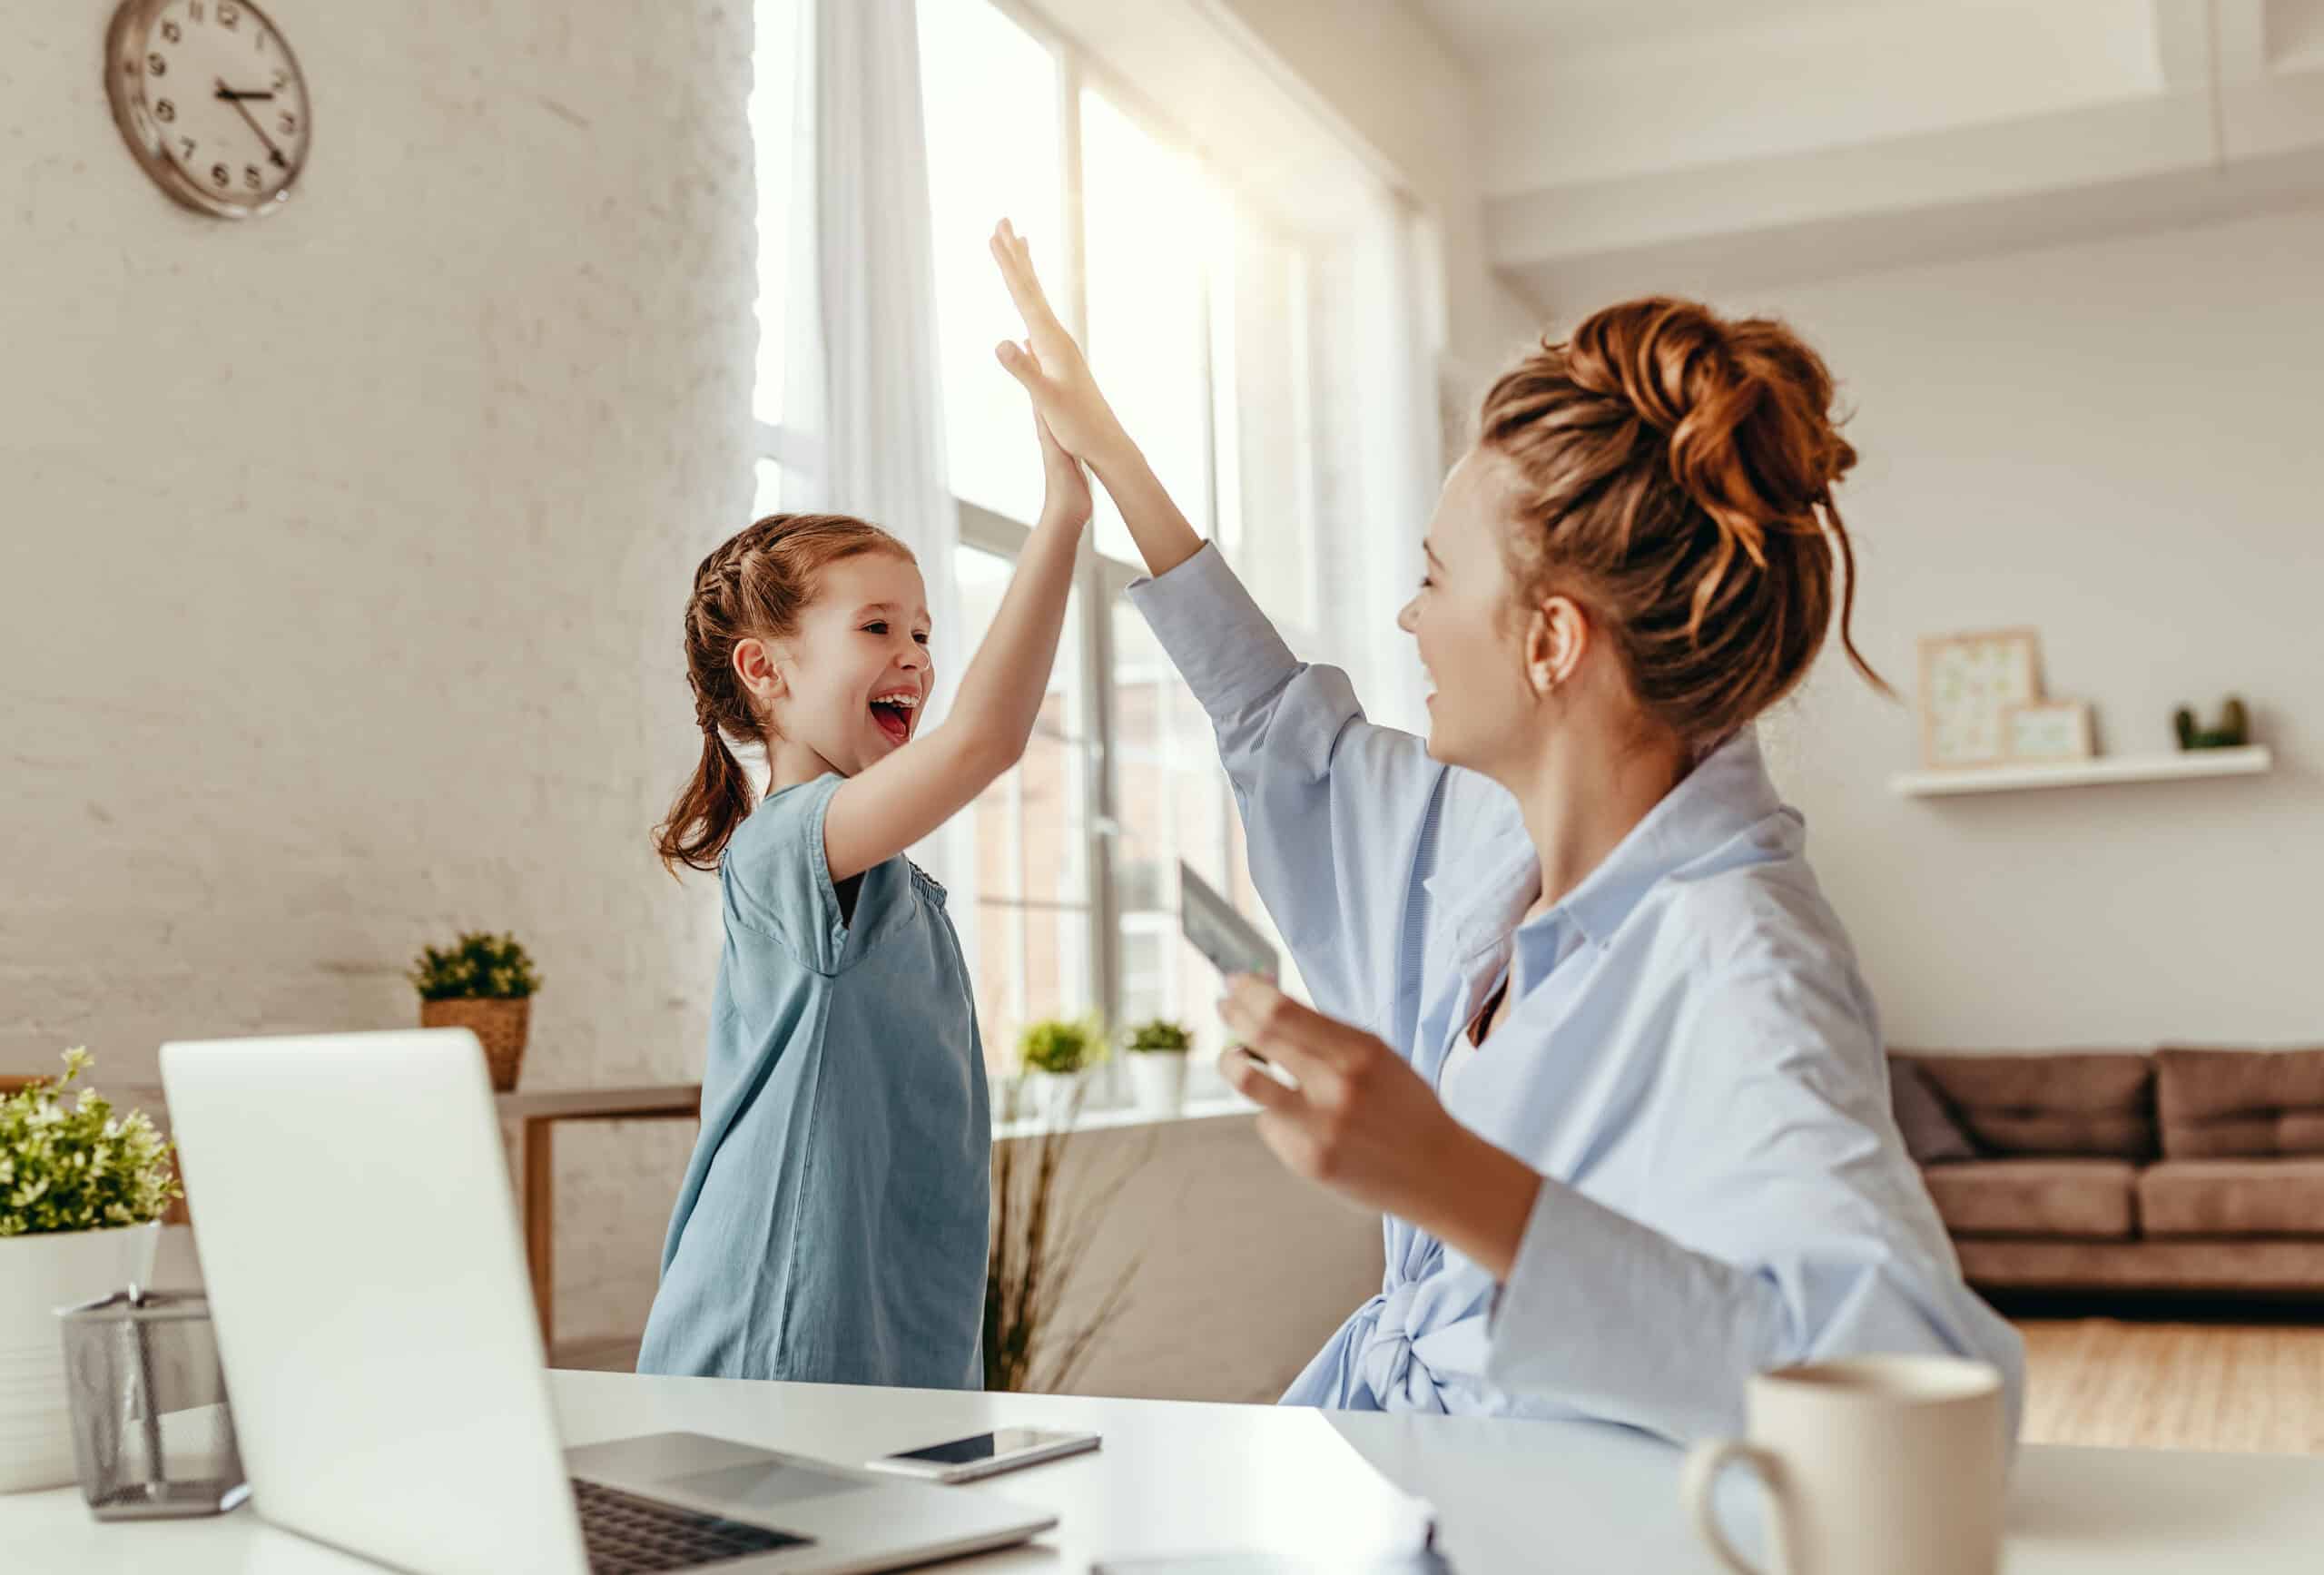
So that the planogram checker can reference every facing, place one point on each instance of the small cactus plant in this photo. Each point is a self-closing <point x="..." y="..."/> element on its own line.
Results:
<point x="2233" y="732"/>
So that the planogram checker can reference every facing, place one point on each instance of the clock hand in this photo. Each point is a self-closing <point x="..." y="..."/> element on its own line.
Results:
<point x="273" y="153"/>
<point x="227" y="93"/>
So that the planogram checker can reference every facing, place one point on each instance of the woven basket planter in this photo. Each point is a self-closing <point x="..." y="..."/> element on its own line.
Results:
<point x="499" y="1025"/>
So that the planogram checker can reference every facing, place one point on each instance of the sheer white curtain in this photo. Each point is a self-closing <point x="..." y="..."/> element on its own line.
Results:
<point x="861" y="382"/>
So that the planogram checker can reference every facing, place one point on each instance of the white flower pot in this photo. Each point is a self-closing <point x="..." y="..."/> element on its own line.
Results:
<point x="1055" y="1102"/>
<point x="38" y="1274"/>
<point x="1159" y="1079"/>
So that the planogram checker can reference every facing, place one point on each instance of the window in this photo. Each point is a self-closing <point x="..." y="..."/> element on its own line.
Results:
<point x="766" y="490"/>
<point x="989" y="93"/>
<point x="1034" y="901"/>
<point x="1148" y="217"/>
<point x="1173" y="804"/>
<point x="1193" y="308"/>
<point x="1187" y="305"/>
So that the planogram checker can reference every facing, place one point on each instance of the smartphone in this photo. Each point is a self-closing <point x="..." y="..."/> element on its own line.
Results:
<point x="985" y="1454"/>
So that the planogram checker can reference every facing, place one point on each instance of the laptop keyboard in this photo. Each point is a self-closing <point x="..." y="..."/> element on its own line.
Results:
<point x="628" y="1535"/>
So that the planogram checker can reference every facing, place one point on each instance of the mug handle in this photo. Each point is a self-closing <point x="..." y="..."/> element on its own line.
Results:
<point x="1704" y="1461"/>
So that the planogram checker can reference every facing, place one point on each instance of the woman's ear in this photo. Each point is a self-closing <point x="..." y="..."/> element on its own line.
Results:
<point x="1556" y="637"/>
<point x="761" y="676"/>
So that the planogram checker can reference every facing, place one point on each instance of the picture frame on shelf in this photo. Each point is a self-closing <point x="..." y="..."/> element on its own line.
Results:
<point x="1969" y="682"/>
<point x="2050" y="732"/>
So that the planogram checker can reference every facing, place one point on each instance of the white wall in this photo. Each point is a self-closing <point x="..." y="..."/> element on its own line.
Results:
<point x="344" y="551"/>
<point x="2114" y="443"/>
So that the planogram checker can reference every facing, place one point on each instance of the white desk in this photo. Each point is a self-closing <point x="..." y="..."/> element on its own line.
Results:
<point x="1179" y="1478"/>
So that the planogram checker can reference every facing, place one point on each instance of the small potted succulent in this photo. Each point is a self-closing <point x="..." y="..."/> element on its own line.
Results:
<point x="1158" y="1053"/>
<point x="483" y="983"/>
<point x="1055" y="1054"/>
<point x="82" y="1194"/>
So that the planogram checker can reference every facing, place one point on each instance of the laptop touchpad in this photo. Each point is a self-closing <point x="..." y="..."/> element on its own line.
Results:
<point x="762" y="1484"/>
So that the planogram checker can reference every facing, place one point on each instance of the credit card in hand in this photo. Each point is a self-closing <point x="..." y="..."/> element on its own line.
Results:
<point x="1232" y="943"/>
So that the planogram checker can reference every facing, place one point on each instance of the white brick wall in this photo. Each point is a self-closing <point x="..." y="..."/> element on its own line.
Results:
<point x="342" y="554"/>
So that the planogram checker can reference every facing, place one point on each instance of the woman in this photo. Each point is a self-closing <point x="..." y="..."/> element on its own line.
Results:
<point x="1590" y="1035"/>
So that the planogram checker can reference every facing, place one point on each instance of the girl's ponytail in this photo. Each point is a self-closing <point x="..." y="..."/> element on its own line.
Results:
<point x="753" y="586"/>
<point x="708" y="808"/>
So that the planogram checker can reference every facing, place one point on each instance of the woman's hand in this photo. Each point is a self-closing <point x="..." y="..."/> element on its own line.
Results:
<point x="1050" y="365"/>
<point x="1363" y="1123"/>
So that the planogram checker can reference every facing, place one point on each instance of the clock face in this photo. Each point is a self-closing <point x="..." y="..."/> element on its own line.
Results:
<point x="210" y="98"/>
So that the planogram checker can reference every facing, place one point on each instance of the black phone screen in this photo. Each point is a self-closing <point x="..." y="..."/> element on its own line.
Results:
<point x="980" y="1446"/>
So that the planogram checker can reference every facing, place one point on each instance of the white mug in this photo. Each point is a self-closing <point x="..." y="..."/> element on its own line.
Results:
<point x="1893" y="1463"/>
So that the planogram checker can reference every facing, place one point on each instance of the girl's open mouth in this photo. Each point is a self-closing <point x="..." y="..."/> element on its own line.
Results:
<point x="893" y="713"/>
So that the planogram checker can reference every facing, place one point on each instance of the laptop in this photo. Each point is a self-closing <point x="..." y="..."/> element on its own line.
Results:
<point x="366" y="1279"/>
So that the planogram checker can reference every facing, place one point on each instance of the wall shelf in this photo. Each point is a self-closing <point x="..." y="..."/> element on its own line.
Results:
<point x="2249" y="760"/>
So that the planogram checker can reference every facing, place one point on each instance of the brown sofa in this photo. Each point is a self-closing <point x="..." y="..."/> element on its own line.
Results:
<point x="2186" y="1170"/>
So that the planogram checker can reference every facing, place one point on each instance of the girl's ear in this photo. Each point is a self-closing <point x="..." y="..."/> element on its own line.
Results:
<point x="1556" y="635"/>
<point x="761" y="675"/>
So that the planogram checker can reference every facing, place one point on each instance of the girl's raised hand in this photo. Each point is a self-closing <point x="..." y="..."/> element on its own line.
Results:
<point x="1067" y="501"/>
<point x="1054" y="373"/>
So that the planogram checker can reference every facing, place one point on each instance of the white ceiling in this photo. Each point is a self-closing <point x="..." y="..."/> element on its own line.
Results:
<point x="1711" y="145"/>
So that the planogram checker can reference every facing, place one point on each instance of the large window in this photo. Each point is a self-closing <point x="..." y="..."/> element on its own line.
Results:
<point x="1191" y="306"/>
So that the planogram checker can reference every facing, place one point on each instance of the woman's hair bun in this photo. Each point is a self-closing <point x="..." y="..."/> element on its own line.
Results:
<point x="1745" y="407"/>
<point x="1675" y="470"/>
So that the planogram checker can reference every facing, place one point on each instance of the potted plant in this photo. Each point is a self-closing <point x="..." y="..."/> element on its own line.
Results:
<point x="1158" y="1053"/>
<point x="1055" y="1052"/>
<point x="81" y="1192"/>
<point x="484" y="983"/>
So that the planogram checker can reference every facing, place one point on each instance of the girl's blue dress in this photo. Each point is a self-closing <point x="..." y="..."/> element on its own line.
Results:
<point x="831" y="1224"/>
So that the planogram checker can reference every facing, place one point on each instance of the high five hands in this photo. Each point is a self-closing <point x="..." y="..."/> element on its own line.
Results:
<point x="1050" y="364"/>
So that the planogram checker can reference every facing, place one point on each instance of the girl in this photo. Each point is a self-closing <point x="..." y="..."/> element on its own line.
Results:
<point x="1591" y="1036"/>
<point x="831" y="1223"/>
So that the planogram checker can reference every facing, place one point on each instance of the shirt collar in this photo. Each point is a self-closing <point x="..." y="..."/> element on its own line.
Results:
<point x="1727" y="794"/>
<point x="1724" y="795"/>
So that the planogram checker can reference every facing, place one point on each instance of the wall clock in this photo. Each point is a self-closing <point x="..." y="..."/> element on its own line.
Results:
<point x="209" y="97"/>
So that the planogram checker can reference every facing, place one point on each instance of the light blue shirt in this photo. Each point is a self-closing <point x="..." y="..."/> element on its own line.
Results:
<point x="831" y="1226"/>
<point x="1688" y="1055"/>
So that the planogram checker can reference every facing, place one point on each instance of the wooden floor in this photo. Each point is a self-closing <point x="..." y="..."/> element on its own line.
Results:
<point x="2195" y="1384"/>
<point x="2122" y="1384"/>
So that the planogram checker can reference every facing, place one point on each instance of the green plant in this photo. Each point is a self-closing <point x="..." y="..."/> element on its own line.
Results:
<point x="1061" y="1045"/>
<point x="81" y="1168"/>
<point x="479" y="966"/>
<point x="1161" y="1036"/>
<point x="2233" y="732"/>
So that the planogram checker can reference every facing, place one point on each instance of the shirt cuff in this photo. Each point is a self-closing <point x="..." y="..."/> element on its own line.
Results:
<point x="1536" y="1311"/>
<point x="1216" y="636"/>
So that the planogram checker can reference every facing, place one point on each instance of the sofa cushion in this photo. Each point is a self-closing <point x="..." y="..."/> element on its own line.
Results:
<point x="2234" y="1104"/>
<point x="2022" y="1197"/>
<point x="1933" y="1134"/>
<point x="2092" y="1103"/>
<point x="2233" y="1198"/>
